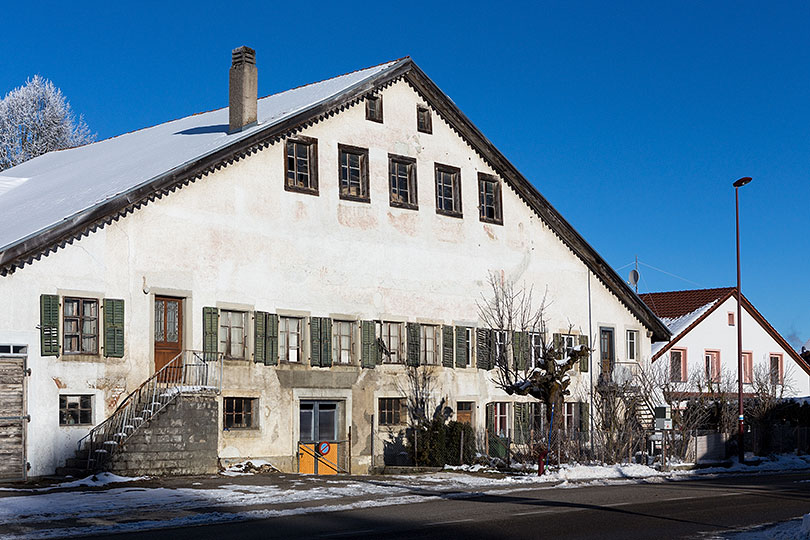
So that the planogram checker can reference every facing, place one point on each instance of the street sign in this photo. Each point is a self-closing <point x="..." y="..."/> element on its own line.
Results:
<point x="323" y="448"/>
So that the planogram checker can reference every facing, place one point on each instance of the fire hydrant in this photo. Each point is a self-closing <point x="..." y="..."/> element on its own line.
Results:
<point x="541" y="462"/>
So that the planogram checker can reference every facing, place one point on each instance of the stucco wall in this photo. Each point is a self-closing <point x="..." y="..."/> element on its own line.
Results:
<point x="237" y="239"/>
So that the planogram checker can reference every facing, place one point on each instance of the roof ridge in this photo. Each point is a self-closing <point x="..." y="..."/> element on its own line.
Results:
<point x="689" y="290"/>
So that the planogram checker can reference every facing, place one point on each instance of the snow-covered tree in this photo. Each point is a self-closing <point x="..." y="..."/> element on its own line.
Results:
<point x="36" y="118"/>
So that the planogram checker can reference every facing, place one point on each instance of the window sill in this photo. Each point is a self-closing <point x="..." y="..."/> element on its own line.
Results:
<point x="355" y="198"/>
<point x="458" y="215"/>
<point x="305" y="191"/>
<point x="406" y="206"/>
<point x="84" y="357"/>
<point x="490" y="221"/>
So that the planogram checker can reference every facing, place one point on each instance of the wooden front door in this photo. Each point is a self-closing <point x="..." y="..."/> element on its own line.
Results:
<point x="606" y="346"/>
<point x="168" y="329"/>
<point x="12" y="418"/>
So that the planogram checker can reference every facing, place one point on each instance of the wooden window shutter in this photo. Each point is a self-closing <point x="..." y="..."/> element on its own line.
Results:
<point x="584" y="361"/>
<point x="482" y="359"/>
<point x="413" y="344"/>
<point x="369" y="349"/>
<point x="490" y="409"/>
<point x="271" y="340"/>
<point x="557" y="341"/>
<point x="462" y="347"/>
<point x="315" y="341"/>
<point x="260" y="337"/>
<point x="447" y="346"/>
<point x="210" y="337"/>
<point x="520" y="350"/>
<point x="584" y="420"/>
<point x="522" y="422"/>
<point x="113" y="328"/>
<point x="49" y="325"/>
<point x="326" y="342"/>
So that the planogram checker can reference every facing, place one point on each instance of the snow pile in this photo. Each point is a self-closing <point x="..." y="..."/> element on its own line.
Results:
<point x="796" y="529"/>
<point x="470" y="468"/>
<point x="96" y="480"/>
<point x="253" y="466"/>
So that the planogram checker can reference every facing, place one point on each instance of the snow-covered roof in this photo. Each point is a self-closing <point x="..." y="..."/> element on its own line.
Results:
<point x="41" y="193"/>
<point x="677" y="325"/>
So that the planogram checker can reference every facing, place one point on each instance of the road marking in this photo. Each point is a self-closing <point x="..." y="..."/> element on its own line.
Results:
<point x="349" y="533"/>
<point x="447" y="522"/>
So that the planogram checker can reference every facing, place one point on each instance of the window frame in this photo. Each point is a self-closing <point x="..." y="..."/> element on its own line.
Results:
<point x="748" y="367"/>
<point x="362" y="153"/>
<point x="771" y="358"/>
<point x="731" y="318"/>
<point x="284" y="339"/>
<point x="500" y="415"/>
<point x="429" y="331"/>
<point x="250" y="414"/>
<point x="634" y="348"/>
<point x="394" y="413"/>
<point x="535" y="349"/>
<point x="312" y="164"/>
<point x="371" y="115"/>
<point x="683" y="372"/>
<point x="424" y="112"/>
<point x="225" y="346"/>
<point x="385" y="336"/>
<point x="413" y="194"/>
<point x="64" y="410"/>
<point x="710" y="375"/>
<point x="500" y="345"/>
<point x="440" y="169"/>
<point x="483" y="179"/>
<point x="80" y="318"/>
<point x="336" y="341"/>
<point x="469" y="335"/>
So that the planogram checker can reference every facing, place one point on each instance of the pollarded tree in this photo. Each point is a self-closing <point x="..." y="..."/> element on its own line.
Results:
<point x="36" y="118"/>
<point x="515" y="343"/>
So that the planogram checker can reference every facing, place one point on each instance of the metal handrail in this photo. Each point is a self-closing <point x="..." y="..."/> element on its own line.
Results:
<point x="189" y="371"/>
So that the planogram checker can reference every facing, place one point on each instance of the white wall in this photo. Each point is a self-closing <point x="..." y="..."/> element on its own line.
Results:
<point x="236" y="237"/>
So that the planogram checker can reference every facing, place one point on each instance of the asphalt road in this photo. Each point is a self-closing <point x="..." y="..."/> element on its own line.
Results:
<point x="671" y="509"/>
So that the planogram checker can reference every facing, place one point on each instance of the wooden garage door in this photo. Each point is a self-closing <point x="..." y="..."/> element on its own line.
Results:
<point x="12" y="441"/>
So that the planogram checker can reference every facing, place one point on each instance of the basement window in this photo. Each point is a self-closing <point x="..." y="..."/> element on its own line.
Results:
<point x="75" y="410"/>
<point x="393" y="411"/>
<point x="301" y="169"/>
<point x="80" y="316"/>
<point x="238" y="412"/>
<point x="374" y="109"/>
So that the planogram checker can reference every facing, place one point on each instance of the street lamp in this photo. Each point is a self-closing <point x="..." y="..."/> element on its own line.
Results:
<point x="740" y="436"/>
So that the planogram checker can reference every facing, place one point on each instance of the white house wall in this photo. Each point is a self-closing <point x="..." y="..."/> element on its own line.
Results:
<point x="714" y="333"/>
<point x="236" y="238"/>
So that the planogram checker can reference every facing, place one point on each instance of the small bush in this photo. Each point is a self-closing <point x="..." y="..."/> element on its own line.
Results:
<point x="438" y="443"/>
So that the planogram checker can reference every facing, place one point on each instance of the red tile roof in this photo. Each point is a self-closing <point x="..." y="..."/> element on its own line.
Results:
<point x="670" y="305"/>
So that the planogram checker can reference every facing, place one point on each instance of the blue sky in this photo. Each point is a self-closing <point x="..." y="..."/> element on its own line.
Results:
<point x="632" y="118"/>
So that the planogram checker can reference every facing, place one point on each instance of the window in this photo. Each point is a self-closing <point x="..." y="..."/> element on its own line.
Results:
<point x="75" y="410"/>
<point x="536" y="349"/>
<point x="731" y="318"/>
<point x="289" y="331"/>
<point x="464" y="354"/>
<point x="374" y="109"/>
<point x="448" y="190"/>
<point x="570" y="416"/>
<point x="776" y="369"/>
<point x="632" y="345"/>
<point x="402" y="172"/>
<point x="232" y="334"/>
<point x="318" y="421"/>
<point x="423" y="121"/>
<point x="393" y="411"/>
<point x="238" y="412"/>
<point x="538" y="413"/>
<point x="502" y="419"/>
<point x="342" y="341"/>
<point x="677" y="365"/>
<point x="464" y="411"/>
<point x="500" y="346"/>
<point x="301" y="170"/>
<point x="489" y="199"/>
<point x="81" y="326"/>
<point x="428" y="339"/>
<point x="712" y="366"/>
<point x="353" y="173"/>
<point x="748" y="367"/>
<point x="391" y="334"/>
<point x="8" y="349"/>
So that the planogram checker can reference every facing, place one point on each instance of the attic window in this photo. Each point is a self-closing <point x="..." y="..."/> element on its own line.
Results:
<point x="301" y="167"/>
<point x="489" y="199"/>
<point x="374" y="109"/>
<point x="424" y="123"/>
<point x="731" y="318"/>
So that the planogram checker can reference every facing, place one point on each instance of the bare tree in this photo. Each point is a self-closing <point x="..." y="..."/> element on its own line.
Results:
<point x="526" y="362"/>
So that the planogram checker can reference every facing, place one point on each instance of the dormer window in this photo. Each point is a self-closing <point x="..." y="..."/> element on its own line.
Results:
<point x="374" y="111"/>
<point x="424" y="123"/>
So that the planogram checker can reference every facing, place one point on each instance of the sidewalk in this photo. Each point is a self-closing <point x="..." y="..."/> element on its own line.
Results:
<point x="113" y="504"/>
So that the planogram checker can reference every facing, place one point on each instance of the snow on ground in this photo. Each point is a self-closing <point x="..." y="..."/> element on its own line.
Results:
<point x="251" y="466"/>
<point x="796" y="529"/>
<point x="96" y="480"/>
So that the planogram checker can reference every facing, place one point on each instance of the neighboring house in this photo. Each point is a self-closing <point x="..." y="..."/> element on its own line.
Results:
<point x="704" y="342"/>
<point x="307" y="245"/>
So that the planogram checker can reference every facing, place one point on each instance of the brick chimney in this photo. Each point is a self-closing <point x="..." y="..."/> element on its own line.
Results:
<point x="243" y="89"/>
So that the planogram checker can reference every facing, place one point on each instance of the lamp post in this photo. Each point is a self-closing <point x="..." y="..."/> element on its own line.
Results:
<point x="741" y="418"/>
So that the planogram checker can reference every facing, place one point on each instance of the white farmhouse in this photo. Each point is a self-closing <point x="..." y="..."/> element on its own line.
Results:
<point x="704" y="342"/>
<point x="250" y="281"/>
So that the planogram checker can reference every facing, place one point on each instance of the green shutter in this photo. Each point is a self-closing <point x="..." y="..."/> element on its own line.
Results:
<point x="447" y="346"/>
<point x="369" y="349"/>
<point x="271" y="340"/>
<point x="522" y="422"/>
<point x="113" y="328"/>
<point x="483" y="346"/>
<point x="260" y="337"/>
<point x="413" y="344"/>
<point x="584" y="361"/>
<point x="490" y="418"/>
<point x="315" y="341"/>
<point x="210" y="337"/>
<point x="520" y="350"/>
<point x="49" y="325"/>
<point x="462" y="347"/>
<point x="326" y="342"/>
<point x="558" y="343"/>
<point x="584" y="423"/>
